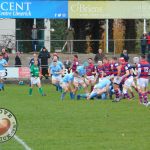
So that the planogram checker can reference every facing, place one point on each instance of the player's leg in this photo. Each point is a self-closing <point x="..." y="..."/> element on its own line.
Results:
<point x="31" y="85"/>
<point x="38" y="82"/>
<point x="65" y="88"/>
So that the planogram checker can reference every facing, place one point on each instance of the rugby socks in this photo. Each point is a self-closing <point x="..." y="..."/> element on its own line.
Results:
<point x="41" y="91"/>
<point x="140" y="97"/>
<point x="1" y="85"/>
<point x="145" y="97"/>
<point x="30" y="91"/>
<point x="117" y="93"/>
<point x="63" y="95"/>
<point x="127" y="95"/>
<point x="72" y="96"/>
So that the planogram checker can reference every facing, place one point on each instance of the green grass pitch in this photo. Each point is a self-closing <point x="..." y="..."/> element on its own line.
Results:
<point x="47" y="123"/>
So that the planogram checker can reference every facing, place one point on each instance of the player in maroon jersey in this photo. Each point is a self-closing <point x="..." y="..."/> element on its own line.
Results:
<point x="107" y="67"/>
<point x="75" y="63"/>
<point x="90" y="72"/>
<point x="116" y="70"/>
<point x="143" y="80"/>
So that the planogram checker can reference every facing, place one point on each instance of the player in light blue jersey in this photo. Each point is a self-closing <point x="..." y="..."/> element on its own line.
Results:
<point x="59" y="63"/>
<point x="99" y="89"/>
<point x="67" y="85"/>
<point x="79" y="79"/>
<point x="3" y="64"/>
<point x="56" y="72"/>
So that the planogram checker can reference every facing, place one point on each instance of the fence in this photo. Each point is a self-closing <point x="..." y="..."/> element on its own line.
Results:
<point x="80" y="46"/>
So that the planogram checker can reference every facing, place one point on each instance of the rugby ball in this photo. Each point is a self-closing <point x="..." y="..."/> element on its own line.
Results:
<point x="4" y="126"/>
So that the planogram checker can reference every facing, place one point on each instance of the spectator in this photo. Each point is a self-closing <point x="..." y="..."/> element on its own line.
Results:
<point x="148" y="41"/>
<point x="75" y="63"/>
<point x="5" y="54"/>
<point x="70" y="37"/>
<point x="124" y="54"/>
<point x="44" y="55"/>
<point x="67" y="64"/>
<point x="18" y="60"/>
<point x="34" y="38"/>
<point x="143" y="43"/>
<point x="35" y="58"/>
<point x="99" y="56"/>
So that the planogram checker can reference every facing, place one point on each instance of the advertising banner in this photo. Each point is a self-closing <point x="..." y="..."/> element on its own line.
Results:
<point x="33" y="9"/>
<point x="17" y="72"/>
<point x="109" y="9"/>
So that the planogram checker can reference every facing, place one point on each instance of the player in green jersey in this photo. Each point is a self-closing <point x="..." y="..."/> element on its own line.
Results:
<point x="35" y="78"/>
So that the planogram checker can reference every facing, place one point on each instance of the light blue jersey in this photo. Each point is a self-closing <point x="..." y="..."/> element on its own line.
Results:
<point x="55" y="69"/>
<point x="2" y="63"/>
<point x="59" y="63"/>
<point x="81" y="70"/>
<point x="68" y="78"/>
<point x="103" y="83"/>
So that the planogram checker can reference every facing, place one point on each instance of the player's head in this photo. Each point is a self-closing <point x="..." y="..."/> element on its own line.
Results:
<point x="75" y="57"/>
<point x="55" y="58"/>
<point x="54" y="62"/>
<point x="114" y="59"/>
<point x="100" y="63"/>
<point x="105" y="60"/>
<point x="121" y="60"/>
<point x="136" y="60"/>
<point x="1" y="55"/>
<point x="90" y="60"/>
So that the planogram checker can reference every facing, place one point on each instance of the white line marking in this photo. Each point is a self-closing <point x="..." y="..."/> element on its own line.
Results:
<point x="20" y="141"/>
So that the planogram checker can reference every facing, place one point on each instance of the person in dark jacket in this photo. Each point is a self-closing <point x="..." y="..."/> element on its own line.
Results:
<point x="99" y="56"/>
<point x="18" y="60"/>
<point x="44" y="55"/>
<point x="124" y="54"/>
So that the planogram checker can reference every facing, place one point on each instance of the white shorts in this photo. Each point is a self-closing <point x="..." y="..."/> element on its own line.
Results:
<point x="138" y="83"/>
<point x="78" y="80"/>
<point x="129" y="81"/>
<point x="35" y="80"/>
<point x="2" y="74"/>
<point x="57" y="78"/>
<point x="142" y="82"/>
<point x="117" y="80"/>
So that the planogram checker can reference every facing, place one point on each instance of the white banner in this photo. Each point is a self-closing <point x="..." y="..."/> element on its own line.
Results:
<point x="17" y="72"/>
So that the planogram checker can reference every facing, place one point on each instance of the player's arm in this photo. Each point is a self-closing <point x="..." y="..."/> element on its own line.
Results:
<point x="32" y="71"/>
